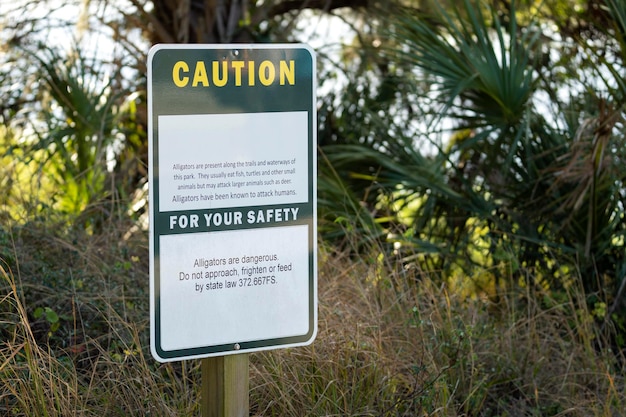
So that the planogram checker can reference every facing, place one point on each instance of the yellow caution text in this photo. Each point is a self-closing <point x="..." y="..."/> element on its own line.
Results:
<point x="236" y="73"/>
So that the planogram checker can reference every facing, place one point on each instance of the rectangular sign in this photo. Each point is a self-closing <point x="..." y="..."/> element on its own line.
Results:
<point x="232" y="162"/>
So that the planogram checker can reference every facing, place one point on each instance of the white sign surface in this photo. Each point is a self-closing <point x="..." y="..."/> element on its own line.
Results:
<point x="231" y="287"/>
<point x="232" y="160"/>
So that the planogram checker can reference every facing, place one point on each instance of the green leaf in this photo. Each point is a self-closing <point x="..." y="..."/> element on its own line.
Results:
<point x="51" y="316"/>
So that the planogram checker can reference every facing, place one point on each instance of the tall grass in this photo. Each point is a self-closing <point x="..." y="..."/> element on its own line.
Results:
<point x="393" y="341"/>
<point x="398" y="342"/>
<point x="86" y="354"/>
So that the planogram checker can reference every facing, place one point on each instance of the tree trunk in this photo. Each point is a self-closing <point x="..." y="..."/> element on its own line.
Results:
<point x="199" y="21"/>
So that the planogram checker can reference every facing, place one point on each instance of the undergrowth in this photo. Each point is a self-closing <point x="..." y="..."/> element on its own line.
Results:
<point x="392" y="341"/>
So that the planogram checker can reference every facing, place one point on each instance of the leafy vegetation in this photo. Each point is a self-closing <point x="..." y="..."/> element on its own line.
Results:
<point x="471" y="202"/>
<point x="522" y="183"/>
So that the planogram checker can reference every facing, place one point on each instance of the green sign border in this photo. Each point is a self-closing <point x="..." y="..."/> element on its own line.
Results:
<point x="165" y="98"/>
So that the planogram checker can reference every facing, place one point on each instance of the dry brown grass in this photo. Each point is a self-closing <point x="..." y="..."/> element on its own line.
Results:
<point x="391" y="342"/>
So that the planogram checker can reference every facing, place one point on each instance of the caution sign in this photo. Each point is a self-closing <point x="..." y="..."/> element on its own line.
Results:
<point x="232" y="162"/>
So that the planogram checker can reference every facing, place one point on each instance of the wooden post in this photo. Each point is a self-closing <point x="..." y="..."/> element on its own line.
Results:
<point x="225" y="386"/>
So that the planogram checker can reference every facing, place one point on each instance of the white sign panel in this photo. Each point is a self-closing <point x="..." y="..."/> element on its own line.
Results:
<point x="232" y="161"/>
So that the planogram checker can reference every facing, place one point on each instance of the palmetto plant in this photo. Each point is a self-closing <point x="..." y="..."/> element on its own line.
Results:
<point x="533" y="174"/>
<point x="74" y="129"/>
